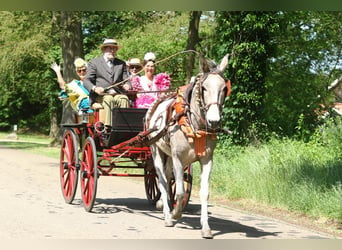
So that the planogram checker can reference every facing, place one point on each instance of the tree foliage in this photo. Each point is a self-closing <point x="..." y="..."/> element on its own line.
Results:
<point x="247" y="36"/>
<point x="307" y="60"/>
<point x="24" y="77"/>
<point x="98" y="25"/>
<point x="166" y="37"/>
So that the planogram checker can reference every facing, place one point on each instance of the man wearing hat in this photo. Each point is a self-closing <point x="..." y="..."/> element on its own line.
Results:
<point x="103" y="72"/>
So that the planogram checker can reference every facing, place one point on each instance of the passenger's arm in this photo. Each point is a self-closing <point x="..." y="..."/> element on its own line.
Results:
<point x="60" y="79"/>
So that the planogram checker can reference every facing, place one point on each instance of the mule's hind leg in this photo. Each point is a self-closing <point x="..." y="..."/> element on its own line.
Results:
<point x="159" y="164"/>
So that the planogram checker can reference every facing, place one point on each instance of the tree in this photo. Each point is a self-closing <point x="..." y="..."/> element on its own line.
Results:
<point x="247" y="36"/>
<point x="307" y="60"/>
<point x="24" y="75"/>
<point x="98" y="25"/>
<point x="69" y="25"/>
<point x="193" y="41"/>
<point x="166" y="37"/>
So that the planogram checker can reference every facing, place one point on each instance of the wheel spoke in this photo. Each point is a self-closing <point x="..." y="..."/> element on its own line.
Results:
<point x="68" y="170"/>
<point x="66" y="180"/>
<point x="88" y="177"/>
<point x="151" y="186"/>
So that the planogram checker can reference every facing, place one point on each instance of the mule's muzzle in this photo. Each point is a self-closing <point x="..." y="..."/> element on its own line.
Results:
<point x="214" y="125"/>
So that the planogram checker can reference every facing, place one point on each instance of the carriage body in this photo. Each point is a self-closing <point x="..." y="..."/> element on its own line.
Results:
<point x="88" y="151"/>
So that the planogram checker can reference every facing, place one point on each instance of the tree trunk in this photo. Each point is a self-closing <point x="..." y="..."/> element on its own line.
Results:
<point x="192" y="42"/>
<point x="71" y="39"/>
<point x="69" y="25"/>
<point x="54" y="129"/>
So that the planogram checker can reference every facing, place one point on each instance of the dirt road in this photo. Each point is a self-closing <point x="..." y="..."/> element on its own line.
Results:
<point x="32" y="207"/>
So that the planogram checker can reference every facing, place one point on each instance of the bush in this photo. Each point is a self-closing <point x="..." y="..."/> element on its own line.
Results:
<point x="302" y="177"/>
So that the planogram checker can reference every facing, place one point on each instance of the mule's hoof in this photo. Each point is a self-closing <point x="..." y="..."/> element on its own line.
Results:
<point x="176" y="216"/>
<point x="206" y="234"/>
<point x="159" y="205"/>
<point x="168" y="223"/>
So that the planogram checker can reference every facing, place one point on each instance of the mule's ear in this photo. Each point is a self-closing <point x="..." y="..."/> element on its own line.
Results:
<point x="204" y="66"/>
<point x="224" y="63"/>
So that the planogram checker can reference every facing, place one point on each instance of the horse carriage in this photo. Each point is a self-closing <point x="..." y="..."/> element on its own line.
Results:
<point x="88" y="152"/>
<point x="163" y="141"/>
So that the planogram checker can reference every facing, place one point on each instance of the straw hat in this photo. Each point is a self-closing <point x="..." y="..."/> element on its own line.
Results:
<point x="79" y="63"/>
<point x="109" y="43"/>
<point x="134" y="61"/>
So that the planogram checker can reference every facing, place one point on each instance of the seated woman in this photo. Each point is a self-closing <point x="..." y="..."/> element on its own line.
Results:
<point x="75" y="91"/>
<point x="134" y="67"/>
<point x="153" y="85"/>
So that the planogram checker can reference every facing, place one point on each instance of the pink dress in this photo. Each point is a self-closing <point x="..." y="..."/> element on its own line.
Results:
<point x="160" y="82"/>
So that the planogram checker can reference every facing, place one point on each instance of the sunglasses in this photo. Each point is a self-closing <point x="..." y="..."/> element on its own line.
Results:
<point x="81" y="70"/>
<point x="134" y="67"/>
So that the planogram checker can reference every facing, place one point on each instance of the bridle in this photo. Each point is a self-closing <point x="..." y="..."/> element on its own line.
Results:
<point x="204" y="107"/>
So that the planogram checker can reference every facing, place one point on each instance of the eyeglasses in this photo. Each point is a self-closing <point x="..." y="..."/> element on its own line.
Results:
<point x="110" y="48"/>
<point x="81" y="70"/>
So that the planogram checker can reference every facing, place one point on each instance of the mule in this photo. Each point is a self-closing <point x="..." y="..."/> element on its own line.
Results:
<point x="177" y="144"/>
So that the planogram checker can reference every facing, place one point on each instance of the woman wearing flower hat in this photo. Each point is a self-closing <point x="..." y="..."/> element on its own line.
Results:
<point x="75" y="91"/>
<point x="153" y="85"/>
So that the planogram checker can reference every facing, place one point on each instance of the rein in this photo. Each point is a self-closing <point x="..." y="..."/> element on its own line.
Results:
<point x="157" y="62"/>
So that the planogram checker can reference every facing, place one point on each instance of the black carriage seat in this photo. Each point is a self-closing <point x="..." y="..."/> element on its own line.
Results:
<point x="126" y="123"/>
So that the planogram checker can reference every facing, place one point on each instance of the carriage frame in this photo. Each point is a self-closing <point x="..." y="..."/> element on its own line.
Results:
<point x="88" y="152"/>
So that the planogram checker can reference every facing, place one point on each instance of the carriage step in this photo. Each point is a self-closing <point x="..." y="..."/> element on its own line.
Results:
<point x="74" y="125"/>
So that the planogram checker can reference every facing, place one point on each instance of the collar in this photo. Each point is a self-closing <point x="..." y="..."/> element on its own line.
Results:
<point x="107" y="60"/>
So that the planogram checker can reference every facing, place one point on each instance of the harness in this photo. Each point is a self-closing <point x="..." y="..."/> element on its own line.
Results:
<point x="181" y="108"/>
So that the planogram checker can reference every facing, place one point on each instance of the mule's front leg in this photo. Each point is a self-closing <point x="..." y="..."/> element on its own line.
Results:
<point x="179" y="182"/>
<point x="164" y="199"/>
<point x="159" y="160"/>
<point x="204" y="196"/>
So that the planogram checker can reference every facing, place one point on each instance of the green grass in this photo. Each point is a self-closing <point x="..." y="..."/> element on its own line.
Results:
<point x="37" y="144"/>
<point x="297" y="176"/>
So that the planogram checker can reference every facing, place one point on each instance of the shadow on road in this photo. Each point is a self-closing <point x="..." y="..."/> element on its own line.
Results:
<point x="189" y="221"/>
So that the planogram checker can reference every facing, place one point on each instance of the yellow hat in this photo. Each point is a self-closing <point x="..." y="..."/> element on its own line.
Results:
<point x="79" y="62"/>
<point x="134" y="61"/>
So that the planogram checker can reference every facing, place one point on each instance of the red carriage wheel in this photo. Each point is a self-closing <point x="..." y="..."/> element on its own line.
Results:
<point x="151" y="183"/>
<point x="187" y="180"/>
<point x="89" y="174"/>
<point x="69" y="165"/>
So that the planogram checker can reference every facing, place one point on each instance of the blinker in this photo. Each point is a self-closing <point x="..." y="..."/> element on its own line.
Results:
<point x="228" y="84"/>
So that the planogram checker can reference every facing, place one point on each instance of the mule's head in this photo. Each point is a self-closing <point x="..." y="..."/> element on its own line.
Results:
<point x="213" y="90"/>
